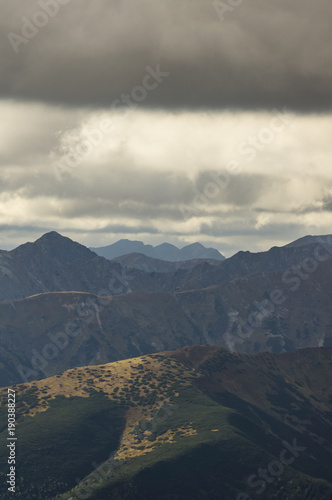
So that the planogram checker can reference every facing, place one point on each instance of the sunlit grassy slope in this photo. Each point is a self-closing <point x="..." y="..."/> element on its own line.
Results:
<point x="188" y="424"/>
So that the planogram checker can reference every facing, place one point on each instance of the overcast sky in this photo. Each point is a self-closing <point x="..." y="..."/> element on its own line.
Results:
<point x="166" y="120"/>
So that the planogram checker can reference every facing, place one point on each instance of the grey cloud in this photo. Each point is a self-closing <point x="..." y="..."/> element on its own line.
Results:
<point x="241" y="234"/>
<point x="327" y="204"/>
<point x="240" y="190"/>
<point x="244" y="228"/>
<point x="122" y="228"/>
<point x="264" y="54"/>
<point x="125" y="191"/>
<point x="101" y="209"/>
<point x="103" y="185"/>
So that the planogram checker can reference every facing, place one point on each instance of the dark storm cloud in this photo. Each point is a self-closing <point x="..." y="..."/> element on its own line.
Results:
<point x="263" y="54"/>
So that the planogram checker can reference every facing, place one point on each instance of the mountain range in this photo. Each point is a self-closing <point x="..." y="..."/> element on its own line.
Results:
<point x="55" y="263"/>
<point x="165" y="251"/>
<point x="275" y="301"/>
<point x="146" y="379"/>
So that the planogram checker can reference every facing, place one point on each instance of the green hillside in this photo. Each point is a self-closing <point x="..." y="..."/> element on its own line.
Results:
<point x="189" y="424"/>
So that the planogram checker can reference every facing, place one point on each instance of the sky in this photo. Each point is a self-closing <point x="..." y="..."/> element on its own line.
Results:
<point x="166" y="120"/>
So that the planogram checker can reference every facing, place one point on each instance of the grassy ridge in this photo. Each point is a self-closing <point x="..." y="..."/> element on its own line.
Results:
<point x="189" y="424"/>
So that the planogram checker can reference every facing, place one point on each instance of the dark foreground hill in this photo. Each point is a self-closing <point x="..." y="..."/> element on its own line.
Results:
<point x="194" y="424"/>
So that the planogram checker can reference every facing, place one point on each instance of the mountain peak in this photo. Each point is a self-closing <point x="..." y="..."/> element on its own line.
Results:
<point x="194" y="245"/>
<point x="54" y="245"/>
<point x="52" y="236"/>
<point x="310" y="239"/>
<point x="164" y="251"/>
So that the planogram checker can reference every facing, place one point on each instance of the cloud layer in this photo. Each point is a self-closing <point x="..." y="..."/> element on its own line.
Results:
<point x="261" y="55"/>
<point x="243" y="184"/>
<point x="177" y="120"/>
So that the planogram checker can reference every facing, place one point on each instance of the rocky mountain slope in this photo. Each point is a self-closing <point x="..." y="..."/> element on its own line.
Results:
<point x="276" y="311"/>
<point x="309" y="239"/>
<point x="55" y="263"/>
<point x="151" y="265"/>
<point x="197" y="423"/>
<point x="52" y="263"/>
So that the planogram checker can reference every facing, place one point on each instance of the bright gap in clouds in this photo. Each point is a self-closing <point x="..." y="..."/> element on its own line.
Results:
<point x="129" y="174"/>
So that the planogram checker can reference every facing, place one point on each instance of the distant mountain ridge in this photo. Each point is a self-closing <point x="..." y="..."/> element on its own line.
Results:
<point x="309" y="240"/>
<point x="55" y="263"/>
<point x="52" y="263"/>
<point x="151" y="265"/>
<point x="165" y="251"/>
